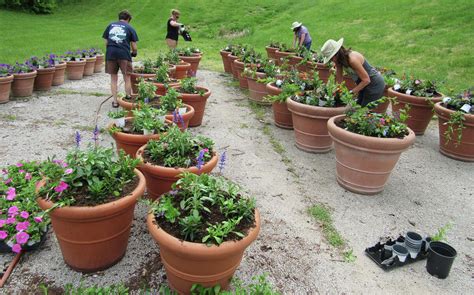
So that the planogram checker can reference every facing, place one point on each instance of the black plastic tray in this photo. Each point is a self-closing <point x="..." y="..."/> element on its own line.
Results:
<point x="378" y="254"/>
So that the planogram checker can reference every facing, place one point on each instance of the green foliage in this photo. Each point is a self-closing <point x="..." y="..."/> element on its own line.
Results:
<point x="441" y="234"/>
<point x="172" y="57"/>
<point x="119" y="289"/>
<point x="322" y="214"/>
<point x="388" y="76"/>
<point x="416" y="87"/>
<point x="149" y="118"/>
<point x="147" y="68"/>
<point x="258" y="286"/>
<point x="170" y="101"/>
<point x="146" y="90"/>
<point x="330" y="94"/>
<point x="117" y="114"/>
<point x="36" y="6"/>
<point x="162" y="74"/>
<point x="188" y="85"/>
<point x="188" y="51"/>
<point x="455" y="124"/>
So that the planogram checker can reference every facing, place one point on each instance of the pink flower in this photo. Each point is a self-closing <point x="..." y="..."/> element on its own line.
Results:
<point x="21" y="171"/>
<point x="24" y="214"/>
<point x="11" y="194"/>
<point x="16" y="248"/>
<point x="382" y="121"/>
<point x="21" y="226"/>
<point x="28" y="176"/>
<point x="13" y="210"/>
<point x="417" y="82"/>
<point x="206" y="150"/>
<point x="68" y="171"/>
<point x="22" y="238"/>
<point x="38" y="219"/>
<point x="60" y="163"/>
<point x="8" y="181"/>
<point x="3" y="235"/>
<point x="61" y="187"/>
<point x="11" y="220"/>
<point x="2" y="222"/>
<point x="19" y="164"/>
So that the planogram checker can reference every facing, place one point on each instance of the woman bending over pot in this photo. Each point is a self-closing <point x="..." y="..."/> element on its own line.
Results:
<point x="370" y="83"/>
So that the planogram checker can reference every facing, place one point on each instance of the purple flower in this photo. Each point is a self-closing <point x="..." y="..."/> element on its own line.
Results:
<point x="8" y="181"/>
<point x="19" y="164"/>
<point x="68" y="171"/>
<point x="222" y="161"/>
<point x="181" y="120"/>
<point x="11" y="194"/>
<point x="38" y="219"/>
<point x="16" y="248"/>
<point x="21" y="226"/>
<point x="2" y="222"/>
<point x="13" y="210"/>
<point x="28" y="176"/>
<point x="175" y="117"/>
<point x="11" y="220"/>
<point x="3" y="235"/>
<point x="62" y="186"/>
<point x="78" y="139"/>
<point x="22" y="238"/>
<point x="146" y="100"/>
<point x="95" y="134"/>
<point x="200" y="159"/>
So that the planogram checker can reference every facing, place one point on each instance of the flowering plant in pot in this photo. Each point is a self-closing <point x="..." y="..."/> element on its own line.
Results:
<point x="176" y="110"/>
<point x="361" y="134"/>
<point x="202" y="228"/>
<point x="75" y="65"/>
<point x="146" y="71"/>
<point x="23" y="79"/>
<point x="146" y="94"/>
<point x="172" y="58"/>
<point x="91" y="199"/>
<point x="195" y="96"/>
<point x="6" y="79"/>
<point x="162" y="80"/>
<point x="118" y="116"/>
<point x="23" y="225"/>
<point x="271" y="48"/>
<point x="258" y="75"/>
<point x="456" y="126"/>
<point x="45" y="67"/>
<point x="60" y="68"/>
<point x="176" y="151"/>
<point x="90" y="58"/>
<point x="248" y="58"/>
<point x="225" y="52"/>
<point x="421" y="96"/>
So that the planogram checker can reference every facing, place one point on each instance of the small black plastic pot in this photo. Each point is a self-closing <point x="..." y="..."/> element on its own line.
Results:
<point x="440" y="259"/>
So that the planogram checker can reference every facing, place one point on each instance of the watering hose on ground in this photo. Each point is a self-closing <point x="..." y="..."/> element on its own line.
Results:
<point x="100" y="106"/>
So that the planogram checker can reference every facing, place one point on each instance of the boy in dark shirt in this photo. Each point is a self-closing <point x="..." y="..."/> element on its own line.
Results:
<point x="119" y="37"/>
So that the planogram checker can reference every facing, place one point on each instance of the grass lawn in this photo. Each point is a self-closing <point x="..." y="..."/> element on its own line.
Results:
<point x="426" y="38"/>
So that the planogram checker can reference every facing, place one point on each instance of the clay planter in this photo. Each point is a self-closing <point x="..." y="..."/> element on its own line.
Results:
<point x="281" y="115"/>
<point x="159" y="178"/>
<point x="231" y="59"/>
<point x="59" y="74"/>
<point x="99" y="63"/>
<point x="193" y="61"/>
<point x="307" y="67"/>
<point x="295" y="60"/>
<point x="323" y="72"/>
<point x="188" y="263"/>
<point x="257" y="91"/>
<point x="420" y="113"/>
<point x="44" y="79"/>
<point x="5" y="87"/>
<point x="75" y="69"/>
<point x="225" y="61"/>
<point x="310" y="125"/>
<point x="381" y="108"/>
<point x="129" y="106"/>
<point x="364" y="163"/>
<point x="90" y="66"/>
<point x="23" y="84"/>
<point x="94" y="238"/>
<point x="282" y="54"/>
<point x="350" y="84"/>
<point x="198" y="102"/>
<point x="134" y="77"/>
<point x="239" y="68"/>
<point x="465" y="150"/>
<point x="186" y="117"/>
<point x="161" y="89"/>
<point x="271" y="52"/>
<point x="181" y="70"/>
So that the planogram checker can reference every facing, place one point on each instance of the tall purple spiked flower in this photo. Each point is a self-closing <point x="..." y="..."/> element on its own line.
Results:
<point x="181" y="120"/>
<point x="77" y="137"/>
<point x="175" y="117"/>
<point x="95" y="135"/>
<point x="200" y="159"/>
<point x="222" y="161"/>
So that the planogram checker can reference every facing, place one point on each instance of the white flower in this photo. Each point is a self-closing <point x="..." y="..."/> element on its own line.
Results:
<point x="278" y="83"/>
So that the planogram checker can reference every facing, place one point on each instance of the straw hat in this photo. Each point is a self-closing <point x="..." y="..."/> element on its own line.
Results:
<point x="330" y="48"/>
<point x="295" y="25"/>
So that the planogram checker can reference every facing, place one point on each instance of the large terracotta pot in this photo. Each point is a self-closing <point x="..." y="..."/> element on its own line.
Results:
<point x="193" y="61"/>
<point x="186" y="117"/>
<point x="181" y="71"/>
<point x="295" y="60"/>
<point x="271" y="52"/>
<point x="350" y="84"/>
<point x="279" y="55"/>
<point x="59" y="74"/>
<point x="159" y="178"/>
<point x="225" y="61"/>
<point x="5" y="87"/>
<point x="231" y="59"/>
<point x="44" y="79"/>
<point x="188" y="263"/>
<point x="239" y="67"/>
<point x="323" y="72"/>
<point x="310" y="125"/>
<point x="94" y="238"/>
<point x="90" y="66"/>
<point x="134" y="77"/>
<point x="75" y="69"/>
<point x="257" y="91"/>
<point x="198" y="102"/>
<point x="129" y="106"/>
<point x="421" y="110"/>
<point x="23" y="84"/>
<point x="307" y="67"/>
<point x="463" y="151"/>
<point x="99" y="63"/>
<point x="162" y="90"/>
<point x="281" y="115"/>
<point x="364" y="163"/>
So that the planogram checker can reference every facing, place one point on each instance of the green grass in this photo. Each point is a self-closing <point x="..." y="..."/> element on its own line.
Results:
<point x="323" y="216"/>
<point x="426" y="38"/>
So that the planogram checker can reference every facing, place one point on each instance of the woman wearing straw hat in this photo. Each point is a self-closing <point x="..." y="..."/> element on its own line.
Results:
<point x="370" y="83"/>
<point x="301" y="37"/>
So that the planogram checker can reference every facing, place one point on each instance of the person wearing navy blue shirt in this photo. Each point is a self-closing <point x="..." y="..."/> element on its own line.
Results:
<point x="121" y="42"/>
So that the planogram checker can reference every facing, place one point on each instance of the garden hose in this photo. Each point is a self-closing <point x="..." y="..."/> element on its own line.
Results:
<point x="100" y="106"/>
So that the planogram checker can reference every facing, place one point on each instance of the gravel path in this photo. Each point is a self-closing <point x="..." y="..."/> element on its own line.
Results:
<point x="425" y="191"/>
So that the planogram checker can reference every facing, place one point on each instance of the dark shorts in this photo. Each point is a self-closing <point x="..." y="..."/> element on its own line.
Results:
<point x="112" y="66"/>
<point x="371" y="92"/>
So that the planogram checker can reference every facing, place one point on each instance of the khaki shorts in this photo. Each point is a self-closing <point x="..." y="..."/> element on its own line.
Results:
<point x="112" y="66"/>
<point x="171" y="43"/>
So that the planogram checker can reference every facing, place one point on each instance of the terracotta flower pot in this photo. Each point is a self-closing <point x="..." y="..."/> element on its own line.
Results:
<point x="279" y="55"/>
<point x="129" y="106"/>
<point x="350" y="84"/>
<point x="257" y="91"/>
<point x="134" y="77"/>
<point x="421" y="110"/>
<point x="94" y="238"/>
<point x="239" y="68"/>
<point x="281" y="115"/>
<point x="295" y="60"/>
<point x="307" y="67"/>
<point x="381" y="108"/>
<point x="99" y="63"/>
<point x="186" y="117"/>
<point x="5" y="87"/>
<point x="59" y="74"/>
<point x="188" y="263"/>
<point x="159" y="178"/>
<point x="193" y="61"/>
<point x="162" y="90"/>
<point x="75" y="69"/>
<point x="231" y="59"/>
<point x="323" y="72"/>
<point x="463" y="151"/>
<point x="90" y="66"/>
<point x="271" y="52"/>
<point x="364" y="163"/>
<point x="23" y="84"/>
<point x="225" y="61"/>
<point x="198" y="102"/>
<point x="310" y="125"/>
<point x="44" y="79"/>
<point x="181" y="70"/>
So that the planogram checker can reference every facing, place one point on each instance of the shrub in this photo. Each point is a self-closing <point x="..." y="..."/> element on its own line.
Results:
<point x="37" y="6"/>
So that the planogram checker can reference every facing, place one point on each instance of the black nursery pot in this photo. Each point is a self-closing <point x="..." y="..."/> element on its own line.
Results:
<point x="440" y="259"/>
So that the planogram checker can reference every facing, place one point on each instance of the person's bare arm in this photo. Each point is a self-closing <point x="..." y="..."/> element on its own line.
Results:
<point x="301" y="39"/>
<point x="175" y="24"/>
<point x="134" y="46"/>
<point x="339" y="73"/>
<point x="356" y="65"/>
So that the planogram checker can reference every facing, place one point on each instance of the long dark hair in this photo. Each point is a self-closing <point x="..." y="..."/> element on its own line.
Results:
<point x="342" y="56"/>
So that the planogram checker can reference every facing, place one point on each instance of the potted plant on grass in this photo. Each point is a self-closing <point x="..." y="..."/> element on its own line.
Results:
<point x="162" y="80"/>
<point x="202" y="228"/>
<point x="368" y="146"/>
<point x="45" y="68"/>
<point x="191" y="55"/>
<point x="6" y="79"/>
<point x="195" y="96"/>
<point x="249" y="58"/>
<point x="176" y="151"/>
<point x="90" y="58"/>
<point x="91" y="199"/>
<point x="75" y="65"/>
<point x="456" y="126"/>
<point x="23" y="79"/>
<point x="420" y="96"/>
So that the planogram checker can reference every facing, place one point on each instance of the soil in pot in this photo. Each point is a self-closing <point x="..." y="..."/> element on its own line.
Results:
<point x="5" y="87"/>
<point x="44" y="79"/>
<point x="23" y="84"/>
<point x="59" y="74"/>
<point x="198" y="102"/>
<point x="75" y="69"/>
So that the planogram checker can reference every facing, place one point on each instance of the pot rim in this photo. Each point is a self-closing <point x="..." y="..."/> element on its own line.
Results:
<point x="446" y="246"/>
<point x="206" y="94"/>
<point x="309" y="110"/>
<point x="440" y="109"/>
<point x="415" y="100"/>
